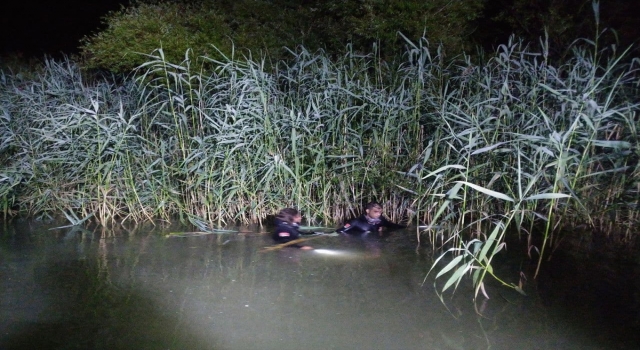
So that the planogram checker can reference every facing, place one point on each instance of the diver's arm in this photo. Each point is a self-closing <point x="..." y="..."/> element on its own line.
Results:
<point x="391" y="225"/>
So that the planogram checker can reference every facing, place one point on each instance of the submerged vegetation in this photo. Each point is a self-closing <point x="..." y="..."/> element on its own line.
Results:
<point x="467" y="151"/>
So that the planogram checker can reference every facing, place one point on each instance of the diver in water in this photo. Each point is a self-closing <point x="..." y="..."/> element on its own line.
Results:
<point x="371" y="221"/>
<point x="287" y="224"/>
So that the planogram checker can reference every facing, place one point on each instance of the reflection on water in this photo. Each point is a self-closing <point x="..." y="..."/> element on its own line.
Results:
<point x="138" y="289"/>
<point x="335" y="252"/>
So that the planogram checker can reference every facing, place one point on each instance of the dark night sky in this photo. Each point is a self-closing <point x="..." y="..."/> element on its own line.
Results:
<point x="35" y="28"/>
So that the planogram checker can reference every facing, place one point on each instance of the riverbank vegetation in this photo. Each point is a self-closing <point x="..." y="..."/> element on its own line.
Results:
<point x="466" y="149"/>
<point x="217" y="28"/>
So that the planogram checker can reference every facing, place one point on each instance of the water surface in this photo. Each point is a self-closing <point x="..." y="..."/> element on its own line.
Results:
<point x="137" y="288"/>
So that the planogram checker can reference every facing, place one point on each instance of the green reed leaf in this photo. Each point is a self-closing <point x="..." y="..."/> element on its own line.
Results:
<point x="487" y="191"/>
<point x="546" y="196"/>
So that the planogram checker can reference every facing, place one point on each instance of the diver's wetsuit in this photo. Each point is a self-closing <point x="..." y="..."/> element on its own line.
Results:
<point x="363" y="223"/>
<point x="291" y="229"/>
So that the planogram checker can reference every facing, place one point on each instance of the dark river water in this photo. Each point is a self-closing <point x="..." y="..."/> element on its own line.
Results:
<point x="140" y="288"/>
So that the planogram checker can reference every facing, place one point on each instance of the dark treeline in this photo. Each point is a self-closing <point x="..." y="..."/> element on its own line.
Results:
<point x="268" y="27"/>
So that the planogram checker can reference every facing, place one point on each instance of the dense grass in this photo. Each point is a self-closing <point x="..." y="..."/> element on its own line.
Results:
<point x="465" y="150"/>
